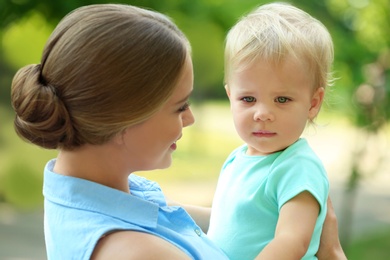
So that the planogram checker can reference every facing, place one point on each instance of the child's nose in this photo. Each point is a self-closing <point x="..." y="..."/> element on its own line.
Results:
<point x="263" y="113"/>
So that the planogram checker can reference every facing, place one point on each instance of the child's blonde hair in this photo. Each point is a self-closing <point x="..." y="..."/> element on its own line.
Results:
<point x="274" y="31"/>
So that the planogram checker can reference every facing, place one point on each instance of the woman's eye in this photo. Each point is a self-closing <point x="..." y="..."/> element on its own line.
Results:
<point x="184" y="107"/>
<point x="282" y="99"/>
<point x="248" y="99"/>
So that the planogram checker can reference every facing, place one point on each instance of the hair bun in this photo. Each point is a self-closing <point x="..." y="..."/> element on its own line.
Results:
<point x="41" y="117"/>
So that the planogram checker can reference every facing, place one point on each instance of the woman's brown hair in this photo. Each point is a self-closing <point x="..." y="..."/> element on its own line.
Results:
<point x="104" y="68"/>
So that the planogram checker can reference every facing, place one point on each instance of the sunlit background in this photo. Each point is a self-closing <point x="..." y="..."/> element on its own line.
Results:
<point x="351" y="136"/>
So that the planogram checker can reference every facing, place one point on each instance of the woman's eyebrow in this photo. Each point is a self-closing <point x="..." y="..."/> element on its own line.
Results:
<point x="184" y="99"/>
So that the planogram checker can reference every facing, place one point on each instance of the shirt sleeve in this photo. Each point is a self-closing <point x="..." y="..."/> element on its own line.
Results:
<point x="294" y="173"/>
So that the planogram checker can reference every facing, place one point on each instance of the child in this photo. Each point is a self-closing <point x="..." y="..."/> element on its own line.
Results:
<point x="270" y="201"/>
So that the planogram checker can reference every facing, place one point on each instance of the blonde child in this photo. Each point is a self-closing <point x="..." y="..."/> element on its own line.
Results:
<point x="270" y="201"/>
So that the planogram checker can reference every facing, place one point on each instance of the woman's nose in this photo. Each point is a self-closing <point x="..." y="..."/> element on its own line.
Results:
<point x="188" y="118"/>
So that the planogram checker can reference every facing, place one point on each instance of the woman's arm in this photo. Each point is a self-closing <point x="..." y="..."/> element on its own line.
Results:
<point x="135" y="245"/>
<point x="330" y="247"/>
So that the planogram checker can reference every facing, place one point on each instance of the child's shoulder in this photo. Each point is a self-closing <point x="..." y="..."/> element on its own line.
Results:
<point x="300" y="159"/>
<point x="239" y="150"/>
<point x="300" y="146"/>
<point x="298" y="151"/>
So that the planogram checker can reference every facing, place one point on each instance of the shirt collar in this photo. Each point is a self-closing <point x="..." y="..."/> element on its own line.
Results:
<point x="87" y="195"/>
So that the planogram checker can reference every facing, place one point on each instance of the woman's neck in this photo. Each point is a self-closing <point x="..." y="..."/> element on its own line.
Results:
<point x="94" y="163"/>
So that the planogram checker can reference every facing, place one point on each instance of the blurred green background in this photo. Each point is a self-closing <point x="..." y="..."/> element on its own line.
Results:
<point x="351" y="136"/>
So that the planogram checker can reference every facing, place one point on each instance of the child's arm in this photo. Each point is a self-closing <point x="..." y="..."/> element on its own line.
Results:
<point x="201" y="215"/>
<point x="294" y="229"/>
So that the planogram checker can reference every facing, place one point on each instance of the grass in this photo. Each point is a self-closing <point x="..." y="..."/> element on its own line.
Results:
<point x="373" y="247"/>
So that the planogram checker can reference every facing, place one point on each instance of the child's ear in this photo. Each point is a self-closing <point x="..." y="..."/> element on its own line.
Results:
<point x="227" y="90"/>
<point x="316" y="102"/>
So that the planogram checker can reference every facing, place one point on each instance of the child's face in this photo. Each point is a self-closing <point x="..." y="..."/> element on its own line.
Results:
<point x="272" y="103"/>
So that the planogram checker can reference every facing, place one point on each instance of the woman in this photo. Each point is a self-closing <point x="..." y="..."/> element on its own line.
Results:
<point x="111" y="94"/>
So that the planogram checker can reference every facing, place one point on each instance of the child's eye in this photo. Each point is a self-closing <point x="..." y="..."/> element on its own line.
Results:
<point x="184" y="107"/>
<point x="248" y="99"/>
<point x="282" y="99"/>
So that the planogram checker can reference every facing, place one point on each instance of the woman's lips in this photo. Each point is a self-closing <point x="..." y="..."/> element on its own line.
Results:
<point x="174" y="146"/>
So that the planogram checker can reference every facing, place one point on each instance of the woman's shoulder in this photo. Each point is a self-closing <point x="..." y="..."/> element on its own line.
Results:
<point x="135" y="245"/>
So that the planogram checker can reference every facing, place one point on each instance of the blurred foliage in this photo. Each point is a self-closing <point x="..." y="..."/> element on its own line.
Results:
<point x="359" y="29"/>
<point x="20" y="188"/>
<point x="204" y="22"/>
<point x="28" y="34"/>
<point x="21" y="167"/>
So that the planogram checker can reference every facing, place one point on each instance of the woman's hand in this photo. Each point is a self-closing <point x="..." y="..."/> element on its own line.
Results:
<point x="330" y="247"/>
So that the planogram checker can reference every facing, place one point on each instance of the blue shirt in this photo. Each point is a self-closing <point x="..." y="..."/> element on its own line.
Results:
<point x="251" y="191"/>
<point x="79" y="212"/>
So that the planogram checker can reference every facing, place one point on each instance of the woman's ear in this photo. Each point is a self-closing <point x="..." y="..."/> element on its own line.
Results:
<point x="119" y="137"/>
<point x="316" y="102"/>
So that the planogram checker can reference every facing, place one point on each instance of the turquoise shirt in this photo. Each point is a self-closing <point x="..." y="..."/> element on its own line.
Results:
<point x="251" y="191"/>
<point x="79" y="212"/>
